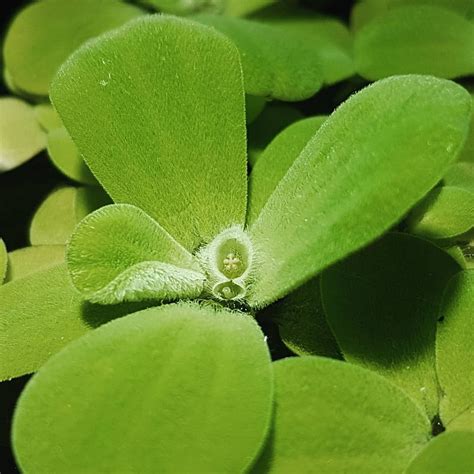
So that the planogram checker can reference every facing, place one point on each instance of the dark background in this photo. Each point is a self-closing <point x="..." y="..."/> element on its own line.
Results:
<point x="23" y="189"/>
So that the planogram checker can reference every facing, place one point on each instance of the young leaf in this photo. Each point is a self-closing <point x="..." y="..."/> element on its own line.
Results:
<point x="3" y="261"/>
<point x="47" y="117"/>
<point x="446" y="212"/>
<point x="302" y="323"/>
<point x="276" y="160"/>
<point x="415" y="39"/>
<point x="169" y="138"/>
<point x="382" y="305"/>
<point x="331" y="416"/>
<point x="273" y="119"/>
<point x="45" y="33"/>
<point x="39" y="325"/>
<point x="65" y="156"/>
<point x="29" y="260"/>
<point x="455" y="353"/>
<point x="21" y="137"/>
<point x="180" y="388"/>
<point x="276" y="64"/>
<point x="357" y="177"/>
<point x="328" y="38"/>
<point x="119" y="253"/>
<point x="447" y="453"/>
<point x="58" y="214"/>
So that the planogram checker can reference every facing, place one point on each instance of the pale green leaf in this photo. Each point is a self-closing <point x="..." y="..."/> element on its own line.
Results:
<point x="47" y="117"/>
<point x="58" y="214"/>
<point x="21" y="137"/>
<point x="302" y="323"/>
<point x="449" y="453"/>
<point x="461" y="175"/>
<point x="357" y="177"/>
<point x="179" y="155"/>
<point x="65" y="156"/>
<point x="328" y="38"/>
<point x="3" y="261"/>
<point x="45" y="33"/>
<point x="276" y="64"/>
<point x="273" y="119"/>
<point x="333" y="417"/>
<point x="455" y="353"/>
<point x="447" y="211"/>
<point x="29" y="260"/>
<point x="275" y="161"/>
<point x="119" y="253"/>
<point x="176" y="389"/>
<point x="40" y="314"/>
<point x="382" y="305"/>
<point x="415" y="39"/>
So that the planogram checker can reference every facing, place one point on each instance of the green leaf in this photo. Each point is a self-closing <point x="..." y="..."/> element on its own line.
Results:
<point x="173" y="389"/>
<point x="21" y="137"/>
<point x="65" y="156"/>
<point x="275" y="64"/>
<point x="447" y="453"/>
<point x="45" y="33"/>
<point x="40" y="314"/>
<point x="328" y="38"/>
<point x="331" y="417"/>
<point x="382" y="305"/>
<point x="302" y="323"/>
<point x="3" y="261"/>
<point x="357" y="177"/>
<point x="446" y="212"/>
<point x="461" y="175"/>
<point x="467" y="153"/>
<point x="29" y="260"/>
<point x="245" y="7"/>
<point x="273" y="119"/>
<point x="119" y="253"/>
<point x="58" y="214"/>
<point x="47" y="117"/>
<point x="253" y="107"/>
<point x="415" y="39"/>
<point x="276" y="160"/>
<point x="455" y="353"/>
<point x="179" y="155"/>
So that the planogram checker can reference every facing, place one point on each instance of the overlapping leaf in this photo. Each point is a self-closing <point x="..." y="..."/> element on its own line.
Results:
<point x="168" y="138"/>
<point x="172" y="389"/>
<point x="323" y="208"/>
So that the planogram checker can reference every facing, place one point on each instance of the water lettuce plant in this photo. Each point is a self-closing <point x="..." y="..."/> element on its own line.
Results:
<point x="178" y="377"/>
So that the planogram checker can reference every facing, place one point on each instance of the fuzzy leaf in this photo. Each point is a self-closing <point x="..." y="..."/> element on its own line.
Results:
<point x="40" y="314"/>
<point x="173" y="389"/>
<point x="275" y="64"/>
<point x="45" y="33"/>
<point x="455" y="353"/>
<point x="328" y="38"/>
<point x="357" y="177"/>
<point x="302" y="323"/>
<point x="273" y="119"/>
<point x="415" y="39"/>
<point x="65" y="156"/>
<point x="58" y="214"/>
<point x="119" y="253"/>
<point x="47" y="117"/>
<point x="448" y="211"/>
<point x="447" y="453"/>
<point x="276" y="160"/>
<point x="29" y="260"/>
<point x="382" y="305"/>
<point x="179" y="155"/>
<point x="21" y="137"/>
<point x="331" y="417"/>
<point x="3" y="261"/>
